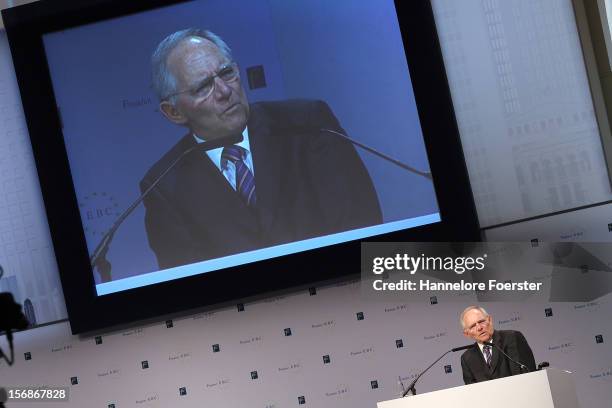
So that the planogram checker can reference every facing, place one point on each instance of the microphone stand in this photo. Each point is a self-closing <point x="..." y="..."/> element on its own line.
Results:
<point x="412" y="384"/>
<point x="404" y="166"/>
<point x="521" y="365"/>
<point x="98" y="257"/>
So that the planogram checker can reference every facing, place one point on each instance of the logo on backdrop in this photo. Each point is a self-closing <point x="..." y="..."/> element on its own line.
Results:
<point x="362" y="352"/>
<point x="111" y="372"/>
<point x="152" y="397"/>
<point x="204" y="316"/>
<point x="602" y="375"/>
<point x="396" y="308"/>
<point x="339" y="391"/>
<point x="435" y="335"/>
<point x="62" y="348"/>
<point x="139" y="332"/>
<point x="587" y="307"/>
<point x="136" y="103"/>
<point x="290" y="367"/>
<point x="220" y="382"/>
<point x="327" y="323"/>
<point x="179" y="356"/>
<point x="510" y="321"/>
<point x="565" y="346"/>
<point x="98" y="210"/>
<point x="251" y="340"/>
<point x="573" y="234"/>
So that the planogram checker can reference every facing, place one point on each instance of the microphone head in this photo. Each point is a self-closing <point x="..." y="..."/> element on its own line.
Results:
<point x="469" y="346"/>
<point x="543" y="364"/>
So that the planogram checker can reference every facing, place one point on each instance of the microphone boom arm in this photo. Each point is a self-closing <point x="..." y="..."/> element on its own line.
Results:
<point x="413" y="383"/>
<point x="98" y="257"/>
<point x="404" y="166"/>
<point x="411" y="387"/>
<point x="521" y="365"/>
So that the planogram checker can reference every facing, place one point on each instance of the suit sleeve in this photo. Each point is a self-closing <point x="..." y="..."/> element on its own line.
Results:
<point x="525" y="352"/>
<point x="344" y="189"/>
<point x="468" y="377"/>
<point x="520" y="351"/>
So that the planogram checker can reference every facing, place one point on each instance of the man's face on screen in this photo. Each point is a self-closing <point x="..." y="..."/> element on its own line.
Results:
<point x="210" y="100"/>
<point x="477" y="326"/>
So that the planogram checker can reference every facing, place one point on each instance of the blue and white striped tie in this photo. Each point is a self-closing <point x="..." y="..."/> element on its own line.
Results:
<point x="245" y="182"/>
<point x="487" y="354"/>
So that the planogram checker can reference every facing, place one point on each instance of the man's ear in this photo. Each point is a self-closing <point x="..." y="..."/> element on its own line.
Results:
<point x="172" y="113"/>
<point x="465" y="333"/>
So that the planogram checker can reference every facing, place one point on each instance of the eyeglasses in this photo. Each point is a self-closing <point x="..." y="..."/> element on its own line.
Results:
<point x="228" y="73"/>
<point x="482" y="322"/>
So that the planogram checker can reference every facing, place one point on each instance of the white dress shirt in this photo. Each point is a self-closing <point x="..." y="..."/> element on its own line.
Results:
<point x="481" y="346"/>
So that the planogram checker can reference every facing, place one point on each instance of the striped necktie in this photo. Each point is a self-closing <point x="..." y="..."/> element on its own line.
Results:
<point x="487" y="354"/>
<point x="245" y="182"/>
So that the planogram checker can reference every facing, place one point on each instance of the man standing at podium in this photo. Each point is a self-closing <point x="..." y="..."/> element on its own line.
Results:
<point x="486" y="362"/>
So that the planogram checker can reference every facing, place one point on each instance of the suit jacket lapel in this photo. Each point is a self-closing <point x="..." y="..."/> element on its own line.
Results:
<point x="479" y="365"/>
<point x="267" y="163"/>
<point x="210" y="193"/>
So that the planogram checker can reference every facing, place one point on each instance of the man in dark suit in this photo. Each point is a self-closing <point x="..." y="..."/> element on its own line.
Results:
<point x="483" y="362"/>
<point x="285" y="181"/>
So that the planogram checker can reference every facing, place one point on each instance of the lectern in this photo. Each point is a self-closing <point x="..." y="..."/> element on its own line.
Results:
<point x="550" y="388"/>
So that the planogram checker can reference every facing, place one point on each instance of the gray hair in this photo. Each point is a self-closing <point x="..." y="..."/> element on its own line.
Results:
<point x="164" y="82"/>
<point x="467" y="309"/>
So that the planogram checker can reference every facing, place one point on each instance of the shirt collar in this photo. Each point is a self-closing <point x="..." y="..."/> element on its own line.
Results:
<point x="215" y="154"/>
<point x="481" y="346"/>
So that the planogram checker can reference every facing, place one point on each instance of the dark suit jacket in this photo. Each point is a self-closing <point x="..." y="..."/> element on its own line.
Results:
<point x="513" y="343"/>
<point x="308" y="183"/>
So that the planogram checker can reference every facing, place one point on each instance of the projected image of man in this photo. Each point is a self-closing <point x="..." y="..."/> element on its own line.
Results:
<point x="486" y="362"/>
<point x="284" y="181"/>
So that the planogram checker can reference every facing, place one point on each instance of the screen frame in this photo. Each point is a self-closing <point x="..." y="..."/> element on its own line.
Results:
<point x="26" y="25"/>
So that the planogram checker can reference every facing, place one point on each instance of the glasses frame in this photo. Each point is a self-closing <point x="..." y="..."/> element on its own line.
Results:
<point x="194" y="90"/>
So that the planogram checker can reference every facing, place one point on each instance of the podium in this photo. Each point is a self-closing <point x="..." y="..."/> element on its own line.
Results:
<point x="550" y="388"/>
